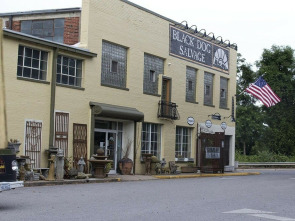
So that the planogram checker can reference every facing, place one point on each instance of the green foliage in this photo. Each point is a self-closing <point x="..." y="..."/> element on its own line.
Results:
<point x="261" y="130"/>
<point x="264" y="156"/>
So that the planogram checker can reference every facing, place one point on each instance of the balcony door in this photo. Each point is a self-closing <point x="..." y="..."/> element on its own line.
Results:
<point x="166" y="90"/>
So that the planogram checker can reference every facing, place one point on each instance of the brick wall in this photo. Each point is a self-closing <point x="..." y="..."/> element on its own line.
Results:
<point x="15" y="25"/>
<point x="71" y="31"/>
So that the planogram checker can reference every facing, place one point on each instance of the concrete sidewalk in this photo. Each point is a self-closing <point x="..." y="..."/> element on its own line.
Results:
<point x="127" y="178"/>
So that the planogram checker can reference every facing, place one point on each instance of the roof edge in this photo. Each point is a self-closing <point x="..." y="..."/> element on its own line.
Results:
<point x="48" y="11"/>
<point x="31" y="38"/>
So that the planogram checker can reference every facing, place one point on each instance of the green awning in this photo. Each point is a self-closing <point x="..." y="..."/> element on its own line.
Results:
<point x="118" y="112"/>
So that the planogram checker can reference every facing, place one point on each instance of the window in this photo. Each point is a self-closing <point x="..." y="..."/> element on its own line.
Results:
<point x="69" y="71"/>
<point x="114" y="65"/>
<point x="208" y="89"/>
<point x="183" y="142"/>
<point x="50" y="29"/>
<point x="191" y="75"/>
<point x="32" y="63"/>
<point x="151" y="139"/>
<point x="152" y="76"/>
<point x="153" y="66"/>
<point x="223" y="92"/>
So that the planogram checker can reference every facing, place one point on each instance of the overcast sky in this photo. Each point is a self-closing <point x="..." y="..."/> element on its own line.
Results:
<point x="253" y="25"/>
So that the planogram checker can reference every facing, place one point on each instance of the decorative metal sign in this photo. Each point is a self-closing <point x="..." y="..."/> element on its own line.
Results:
<point x="192" y="48"/>
<point x="190" y="121"/>
<point x="208" y="123"/>
<point x="215" y="116"/>
<point x="223" y="125"/>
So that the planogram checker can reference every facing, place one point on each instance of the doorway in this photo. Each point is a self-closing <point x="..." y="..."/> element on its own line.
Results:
<point x="107" y="140"/>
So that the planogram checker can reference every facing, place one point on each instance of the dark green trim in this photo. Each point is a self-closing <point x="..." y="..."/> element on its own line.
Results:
<point x="33" y="80"/>
<point x="52" y="97"/>
<point x="117" y="112"/>
<point x="70" y="86"/>
<point x="111" y="86"/>
<point x="44" y="42"/>
<point x="92" y="124"/>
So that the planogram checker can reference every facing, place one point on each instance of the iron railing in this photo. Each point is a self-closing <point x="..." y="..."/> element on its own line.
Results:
<point x="168" y="110"/>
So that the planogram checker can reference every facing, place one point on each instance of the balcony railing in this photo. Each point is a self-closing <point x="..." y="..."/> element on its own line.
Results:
<point x="168" y="110"/>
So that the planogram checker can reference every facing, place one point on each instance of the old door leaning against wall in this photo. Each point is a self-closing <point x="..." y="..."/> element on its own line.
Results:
<point x="33" y="142"/>
<point x="80" y="145"/>
<point x="212" y="152"/>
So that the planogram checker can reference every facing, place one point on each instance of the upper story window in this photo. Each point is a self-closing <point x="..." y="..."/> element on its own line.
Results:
<point x="69" y="71"/>
<point x="191" y="76"/>
<point x="208" y="88"/>
<point x="50" y="29"/>
<point x="153" y="66"/>
<point x="32" y="63"/>
<point x="113" y="65"/>
<point x="223" y="92"/>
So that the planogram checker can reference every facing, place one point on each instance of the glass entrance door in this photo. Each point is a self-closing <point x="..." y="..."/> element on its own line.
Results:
<point x="107" y="140"/>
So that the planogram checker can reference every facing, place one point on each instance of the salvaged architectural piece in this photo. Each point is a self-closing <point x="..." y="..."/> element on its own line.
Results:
<point x="79" y="80"/>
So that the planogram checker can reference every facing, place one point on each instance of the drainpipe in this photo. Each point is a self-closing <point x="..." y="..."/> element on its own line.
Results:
<point x="52" y="149"/>
<point x="134" y="146"/>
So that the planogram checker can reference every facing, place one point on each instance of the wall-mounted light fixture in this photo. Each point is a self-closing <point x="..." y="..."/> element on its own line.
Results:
<point x="221" y="41"/>
<point x="227" y="42"/>
<point x="204" y="32"/>
<point x="212" y="37"/>
<point x="232" y="118"/>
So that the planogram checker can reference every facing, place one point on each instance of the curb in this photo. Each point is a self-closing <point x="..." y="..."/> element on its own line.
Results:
<point x="205" y="175"/>
<point x="65" y="182"/>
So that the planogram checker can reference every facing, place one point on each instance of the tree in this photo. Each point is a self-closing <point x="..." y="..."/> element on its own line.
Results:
<point x="277" y="68"/>
<point x="249" y="117"/>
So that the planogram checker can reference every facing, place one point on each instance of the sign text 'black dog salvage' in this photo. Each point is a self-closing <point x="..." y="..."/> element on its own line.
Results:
<point x="190" y="47"/>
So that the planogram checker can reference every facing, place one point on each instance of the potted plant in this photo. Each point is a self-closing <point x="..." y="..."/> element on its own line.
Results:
<point x="14" y="145"/>
<point x="126" y="164"/>
<point x="190" y="168"/>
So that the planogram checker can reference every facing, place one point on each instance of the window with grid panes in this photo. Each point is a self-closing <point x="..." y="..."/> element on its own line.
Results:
<point x="223" y="92"/>
<point x="153" y="66"/>
<point x="183" y="142"/>
<point x="191" y="84"/>
<point x="69" y="71"/>
<point x="208" y="88"/>
<point x="32" y="63"/>
<point x="151" y="139"/>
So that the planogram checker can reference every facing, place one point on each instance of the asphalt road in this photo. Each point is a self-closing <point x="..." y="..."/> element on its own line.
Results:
<point x="269" y="196"/>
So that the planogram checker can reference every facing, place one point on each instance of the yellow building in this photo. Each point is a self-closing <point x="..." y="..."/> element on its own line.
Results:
<point x="136" y="83"/>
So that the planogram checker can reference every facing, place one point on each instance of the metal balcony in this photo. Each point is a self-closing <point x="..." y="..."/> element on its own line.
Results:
<point x="168" y="110"/>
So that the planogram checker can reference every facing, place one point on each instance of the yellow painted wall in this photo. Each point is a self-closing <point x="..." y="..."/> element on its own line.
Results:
<point x="141" y="32"/>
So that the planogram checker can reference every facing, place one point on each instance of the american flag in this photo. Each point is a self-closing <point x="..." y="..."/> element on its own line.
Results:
<point x="261" y="90"/>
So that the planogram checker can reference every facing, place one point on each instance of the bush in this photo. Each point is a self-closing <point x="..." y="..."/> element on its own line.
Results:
<point x="264" y="156"/>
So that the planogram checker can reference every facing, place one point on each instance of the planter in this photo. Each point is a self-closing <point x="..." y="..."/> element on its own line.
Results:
<point x="14" y="146"/>
<point x="125" y="166"/>
<point x="189" y="169"/>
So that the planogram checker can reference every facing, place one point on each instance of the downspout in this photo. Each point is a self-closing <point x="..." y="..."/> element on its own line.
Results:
<point x="52" y="101"/>
<point x="134" y="146"/>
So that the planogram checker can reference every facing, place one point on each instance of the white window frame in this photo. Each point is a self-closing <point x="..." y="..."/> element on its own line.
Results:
<point x="189" y="148"/>
<point x="149" y="140"/>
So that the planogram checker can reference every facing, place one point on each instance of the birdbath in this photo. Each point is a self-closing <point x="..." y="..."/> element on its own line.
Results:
<point x="98" y="164"/>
